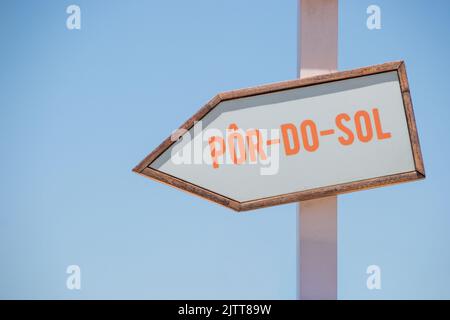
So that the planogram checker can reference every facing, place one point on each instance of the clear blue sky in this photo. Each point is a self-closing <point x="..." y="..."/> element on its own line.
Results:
<point x="78" y="109"/>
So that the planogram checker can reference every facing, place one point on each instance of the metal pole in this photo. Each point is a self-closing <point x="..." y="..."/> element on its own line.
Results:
<point x="317" y="219"/>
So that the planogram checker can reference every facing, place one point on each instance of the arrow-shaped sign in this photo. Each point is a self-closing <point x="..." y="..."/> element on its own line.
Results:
<point x="295" y="140"/>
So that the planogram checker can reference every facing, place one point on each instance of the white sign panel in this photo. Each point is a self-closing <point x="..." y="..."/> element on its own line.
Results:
<point x="296" y="140"/>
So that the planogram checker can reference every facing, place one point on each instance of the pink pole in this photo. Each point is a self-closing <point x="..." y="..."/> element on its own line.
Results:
<point x="317" y="219"/>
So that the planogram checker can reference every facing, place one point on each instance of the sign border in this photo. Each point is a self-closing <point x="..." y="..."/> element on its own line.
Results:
<point x="143" y="167"/>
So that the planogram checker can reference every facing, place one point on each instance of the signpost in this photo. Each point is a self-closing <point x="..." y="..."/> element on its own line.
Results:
<point x="304" y="140"/>
<point x="295" y="140"/>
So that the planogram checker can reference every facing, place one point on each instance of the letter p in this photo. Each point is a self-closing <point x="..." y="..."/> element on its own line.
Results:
<point x="217" y="146"/>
